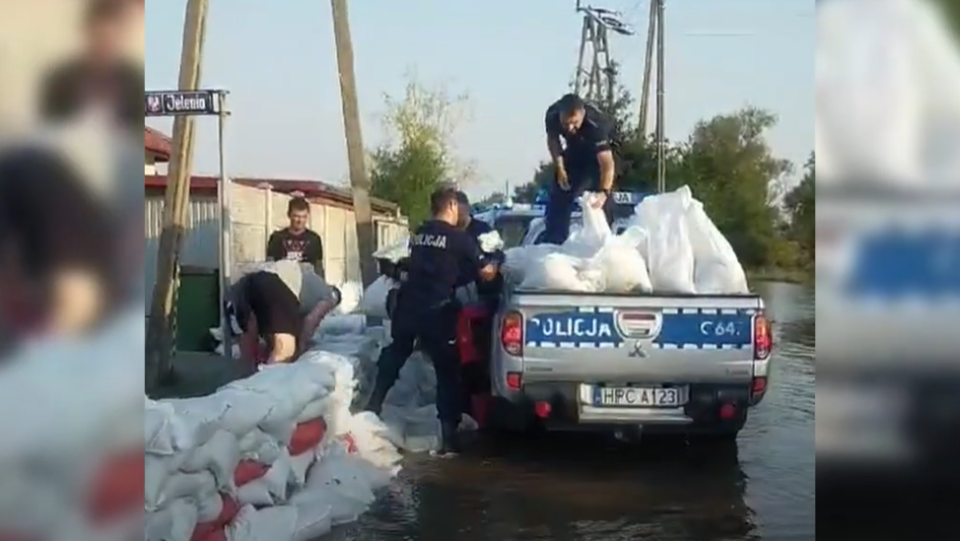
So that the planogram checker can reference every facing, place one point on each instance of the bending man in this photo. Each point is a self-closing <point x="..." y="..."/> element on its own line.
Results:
<point x="282" y="302"/>
<point x="583" y="162"/>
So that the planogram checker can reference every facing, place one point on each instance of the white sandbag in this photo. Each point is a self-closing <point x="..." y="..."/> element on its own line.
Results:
<point x="179" y="485"/>
<point x="313" y="519"/>
<point x="314" y="409"/>
<point x="717" y="270"/>
<point x="343" y="508"/>
<point x="490" y="242"/>
<point x="374" y="300"/>
<point x="374" y="441"/>
<point x="156" y="471"/>
<point x="556" y="272"/>
<point x="256" y="492"/>
<point x="300" y="465"/>
<point x="516" y="260"/>
<point x="192" y="421"/>
<point x="278" y="477"/>
<point x="619" y="267"/>
<point x="341" y="324"/>
<point x="669" y="253"/>
<point x="586" y="241"/>
<point x="209" y="506"/>
<point x="351" y="475"/>
<point x="269" y="524"/>
<point x="260" y="446"/>
<point x="174" y="522"/>
<point x="220" y="455"/>
<point x="345" y="482"/>
<point x="394" y="252"/>
<point x="350" y="294"/>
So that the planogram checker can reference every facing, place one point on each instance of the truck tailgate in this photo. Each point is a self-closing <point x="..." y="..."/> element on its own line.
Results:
<point x="636" y="338"/>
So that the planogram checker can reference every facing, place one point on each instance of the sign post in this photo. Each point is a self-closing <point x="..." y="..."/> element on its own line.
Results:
<point x="167" y="103"/>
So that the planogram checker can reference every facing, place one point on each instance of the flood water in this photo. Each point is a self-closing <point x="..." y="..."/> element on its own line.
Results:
<point x="587" y="488"/>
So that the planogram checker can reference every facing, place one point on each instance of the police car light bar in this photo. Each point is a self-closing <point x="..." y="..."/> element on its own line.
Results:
<point x="620" y="198"/>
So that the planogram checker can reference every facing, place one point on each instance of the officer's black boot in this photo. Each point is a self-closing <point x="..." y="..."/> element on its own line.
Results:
<point x="375" y="404"/>
<point x="449" y="439"/>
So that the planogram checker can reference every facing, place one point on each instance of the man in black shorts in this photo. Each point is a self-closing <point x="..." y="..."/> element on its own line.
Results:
<point x="282" y="302"/>
<point x="426" y="310"/>
<point x="584" y="162"/>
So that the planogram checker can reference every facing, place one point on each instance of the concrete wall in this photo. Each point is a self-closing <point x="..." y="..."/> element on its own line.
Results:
<point x="256" y="213"/>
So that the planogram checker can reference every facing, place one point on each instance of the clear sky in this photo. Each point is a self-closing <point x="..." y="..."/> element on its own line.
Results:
<point x="512" y="57"/>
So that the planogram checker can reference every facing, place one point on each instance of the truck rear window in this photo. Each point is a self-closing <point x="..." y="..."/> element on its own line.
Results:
<point x="512" y="229"/>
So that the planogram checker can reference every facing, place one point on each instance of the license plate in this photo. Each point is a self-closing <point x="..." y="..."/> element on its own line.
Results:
<point x="640" y="397"/>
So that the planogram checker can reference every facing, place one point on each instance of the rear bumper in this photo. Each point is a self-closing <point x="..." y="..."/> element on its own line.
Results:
<point x="701" y="413"/>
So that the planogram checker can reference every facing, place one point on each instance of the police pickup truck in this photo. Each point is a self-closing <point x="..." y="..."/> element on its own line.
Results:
<point x="683" y="364"/>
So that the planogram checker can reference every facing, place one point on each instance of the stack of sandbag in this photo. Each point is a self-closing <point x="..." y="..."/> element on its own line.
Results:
<point x="274" y="456"/>
<point x="670" y="246"/>
<point x="72" y="455"/>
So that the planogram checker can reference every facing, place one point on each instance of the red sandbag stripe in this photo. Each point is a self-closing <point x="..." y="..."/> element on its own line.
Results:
<point x="205" y="530"/>
<point x="307" y="435"/>
<point x="117" y="488"/>
<point x="249" y="470"/>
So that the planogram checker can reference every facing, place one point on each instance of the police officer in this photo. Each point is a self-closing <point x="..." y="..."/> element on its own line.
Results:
<point x="583" y="161"/>
<point x="282" y="302"/>
<point x="426" y="310"/>
<point x="488" y="291"/>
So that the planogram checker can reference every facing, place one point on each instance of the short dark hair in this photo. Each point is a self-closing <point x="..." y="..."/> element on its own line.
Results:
<point x="100" y="11"/>
<point x="441" y="198"/>
<point x="571" y="103"/>
<point x="298" y="204"/>
<point x="463" y="199"/>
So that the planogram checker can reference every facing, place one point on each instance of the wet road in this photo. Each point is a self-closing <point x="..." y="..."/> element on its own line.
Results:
<point x="581" y="488"/>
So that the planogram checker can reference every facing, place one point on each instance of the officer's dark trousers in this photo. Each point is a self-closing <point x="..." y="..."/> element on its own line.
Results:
<point x="435" y="330"/>
<point x="562" y="202"/>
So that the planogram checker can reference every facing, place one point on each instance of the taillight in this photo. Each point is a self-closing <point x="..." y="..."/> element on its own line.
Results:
<point x="762" y="337"/>
<point x="511" y="333"/>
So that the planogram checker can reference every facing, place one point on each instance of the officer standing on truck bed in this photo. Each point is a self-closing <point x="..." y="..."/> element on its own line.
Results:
<point x="583" y="161"/>
<point x="439" y="249"/>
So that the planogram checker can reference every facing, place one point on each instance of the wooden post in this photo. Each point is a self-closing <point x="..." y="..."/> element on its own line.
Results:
<point x="159" y="362"/>
<point x="359" y="181"/>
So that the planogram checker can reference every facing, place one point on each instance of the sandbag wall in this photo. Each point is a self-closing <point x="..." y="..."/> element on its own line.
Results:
<point x="275" y="456"/>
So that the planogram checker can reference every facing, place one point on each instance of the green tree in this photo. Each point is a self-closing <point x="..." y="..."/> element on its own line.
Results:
<point x="419" y="153"/>
<point x="730" y="168"/>
<point x="496" y="198"/>
<point x="800" y="205"/>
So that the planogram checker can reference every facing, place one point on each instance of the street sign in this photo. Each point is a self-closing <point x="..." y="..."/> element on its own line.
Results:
<point x="177" y="102"/>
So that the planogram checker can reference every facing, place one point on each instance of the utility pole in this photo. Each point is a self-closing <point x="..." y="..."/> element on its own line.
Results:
<point x="359" y="181"/>
<point x="647" y="69"/>
<point x="159" y="344"/>
<point x="596" y="72"/>
<point x="661" y="137"/>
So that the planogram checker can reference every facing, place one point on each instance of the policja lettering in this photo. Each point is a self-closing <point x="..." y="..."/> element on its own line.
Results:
<point x="434" y="241"/>
<point x="577" y="328"/>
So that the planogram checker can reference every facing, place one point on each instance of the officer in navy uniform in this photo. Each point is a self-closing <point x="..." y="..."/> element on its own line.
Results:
<point x="487" y="290"/>
<point x="426" y="310"/>
<point x="583" y="162"/>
